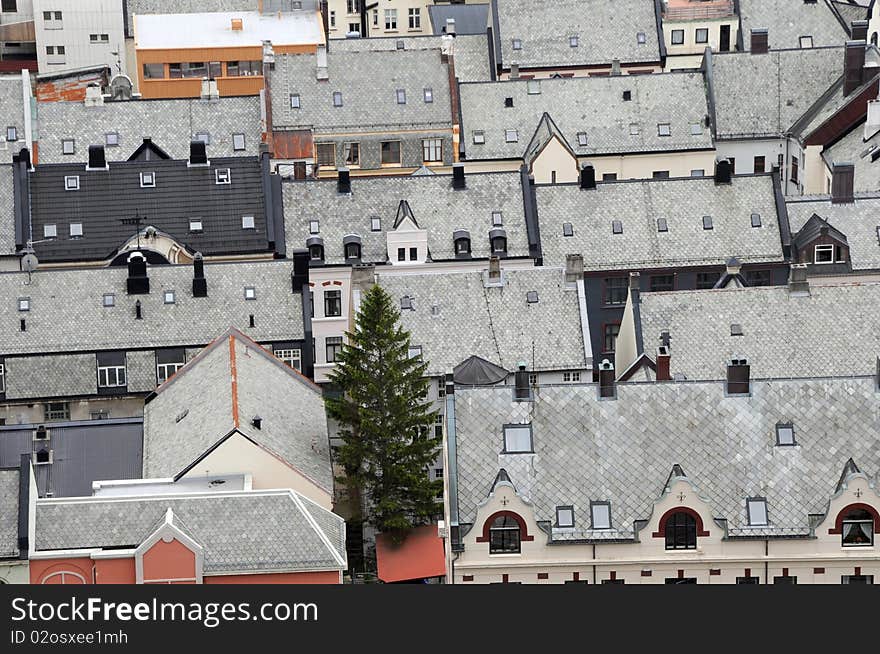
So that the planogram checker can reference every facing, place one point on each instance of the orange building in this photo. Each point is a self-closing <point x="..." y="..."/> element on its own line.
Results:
<point x="175" y="52"/>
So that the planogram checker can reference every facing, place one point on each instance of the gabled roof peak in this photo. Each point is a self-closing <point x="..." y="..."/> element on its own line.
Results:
<point x="404" y="212"/>
<point x="849" y="468"/>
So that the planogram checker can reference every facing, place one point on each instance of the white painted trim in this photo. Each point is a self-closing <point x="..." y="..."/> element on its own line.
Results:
<point x="585" y="321"/>
<point x="63" y="554"/>
<point x="114" y="554"/>
<point x="61" y="573"/>
<point x="158" y="498"/>
<point x="168" y="531"/>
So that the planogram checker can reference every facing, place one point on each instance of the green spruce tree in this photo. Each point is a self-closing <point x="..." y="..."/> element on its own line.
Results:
<point x="386" y="422"/>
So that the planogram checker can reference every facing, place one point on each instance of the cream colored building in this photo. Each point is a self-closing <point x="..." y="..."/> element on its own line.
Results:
<point x="691" y="26"/>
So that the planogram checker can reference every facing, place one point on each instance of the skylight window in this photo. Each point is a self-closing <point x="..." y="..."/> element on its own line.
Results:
<point x="567" y="229"/>
<point x="247" y="222"/>
<point x="414" y="351"/>
<point x="24" y="304"/>
<point x="238" y="142"/>
<point x="76" y="230"/>
<point x="756" y="220"/>
<point x="401" y="96"/>
<point x="50" y="231"/>
<point x="195" y="224"/>
<point x="600" y="512"/>
<point x="532" y="297"/>
<point x="573" y="41"/>
<point x="109" y="300"/>
<point x="250" y="293"/>
<point x="736" y="329"/>
<point x="71" y="183"/>
<point x="582" y="138"/>
<point x="222" y="176"/>
<point x="633" y="129"/>
<point x="429" y="94"/>
<point x="785" y="433"/>
<point x="696" y="129"/>
<point x="517" y="44"/>
<point x="565" y="516"/>
<point x="518" y="439"/>
<point x="806" y="41"/>
<point x="68" y="146"/>
<point x="707" y="222"/>
<point x="337" y="98"/>
<point x="295" y="101"/>
<point x="148" y="180"/>
<point x="616" y="227"/>
<point x="168" y="297"/>
<point x="533" y="86"/>
<point x="664" y="129"/>
<point x="406" y="302"/>
<point x="314" y="227"/>
<point x="641" y="39"/>
<point x="756" y="507"/>
<point x="661" y="225"/>
<point x="204" y="137"/>
<point x="511" y="135"/>
<point x="479" y="137"/>
<point x="111" y="139"/>
<point x="497" y="219"/>
<point x="375" y="224"/>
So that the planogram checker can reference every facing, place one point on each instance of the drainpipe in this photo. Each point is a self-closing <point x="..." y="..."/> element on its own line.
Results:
<point x="766" y="563"/>
<point x="594" y="564"/>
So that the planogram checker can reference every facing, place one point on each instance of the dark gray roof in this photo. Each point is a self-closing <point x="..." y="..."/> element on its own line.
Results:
<point x="606" y="31"/>
<point x="82" y="452"/>
<point x="593" y="105"/>
<point x="787" y="21"/>
<point x="475" y="371"/>
<point x="469" y="18"/>
<point x="171" y="124"/>
<point x="858" y="221"/>
<point x="181" y="192"/>
<point x="368" y="85"/>
<point x="623" y="450"/>
<point x="437" y="208"/>
<point x="850" y="10"/>
<point x="241" y="531"/>
<point x="7" y="214"/>
<point x="638" y="205"/>
<point x="831" y="332"/>
<point x="495" y="323"/>
<point x="854" y="149"/>
<point x="765" y="95"/>
<point x="9" y="484"/>
<point x="294" y="425"/>
<point x="67" y="313"/>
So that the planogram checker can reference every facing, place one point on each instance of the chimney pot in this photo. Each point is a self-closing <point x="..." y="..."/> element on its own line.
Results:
<point x="588" y="177"/>
<point x="458" y="178"/>
<point x="759" y="41"/>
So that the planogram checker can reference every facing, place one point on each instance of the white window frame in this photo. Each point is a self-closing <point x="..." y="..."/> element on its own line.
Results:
<point x="2" y="377"/>
<point x="169" y="297"/>
<point x="50" y="231"/>
<point x="391" y="19"/>
<point x="511" y="136"/>
<point x="757" y="505"/>
<point x="250" y="292"/>
<point x="165" y="370"/>
<point x="826" y="247"/>
<point x="113" y="376"/>
<point x="239" y="142"/>
<point x="71" y="182"/>
<point x="222" y="176"/>
<point x="432" y="150"/>
<point x="248" y="222"/>
<point x="290" y="356"/>
<point x="295" y="101"/>
<point x="479" y="138"/>
<point x="195" y="225"/>
<point x="108" y="300"/>
<point x="601" y="520"/>
<point x="415" y="18"/>
<point x="515" y="436"/>
<point x="148" y="180"/>
<point x="76" y="230"/>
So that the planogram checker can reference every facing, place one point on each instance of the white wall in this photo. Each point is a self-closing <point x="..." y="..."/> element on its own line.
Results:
<point x="80" y="19"/>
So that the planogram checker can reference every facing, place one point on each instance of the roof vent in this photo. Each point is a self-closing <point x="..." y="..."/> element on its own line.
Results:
<point x="257" y="422"/>
<point x="200" y="284"/>
<point x="97" y="160"/>
<point x="198" y="154"/>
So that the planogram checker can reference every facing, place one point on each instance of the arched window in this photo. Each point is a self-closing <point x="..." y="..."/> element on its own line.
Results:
<point x="681" y="531"/>
<point x="462" y="240"/>
<point x="353" y="251"/>
<point x="504" y="535"/>
<point x="316" y="248"/>
<point x="64" y="577"/>
<point x="498" y="242"/>
<point x="857" y="529"/>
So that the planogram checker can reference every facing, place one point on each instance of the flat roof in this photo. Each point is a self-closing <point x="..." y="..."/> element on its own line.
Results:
<point x="214" y="30"/>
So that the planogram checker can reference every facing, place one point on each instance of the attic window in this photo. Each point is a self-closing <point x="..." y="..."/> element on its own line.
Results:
<point x="50" y="231"/>
<point x="250" y="293"/>
<point x="736" y="329"/>
<point x="511" y="135"/>
<point x="247" y="222"/>
<point x="806" y="41"/>
<point x="314" y="227"/>
<point x="497" y="219"/>
<point x="664" y="129"/>
<point x="168" y="297"/>
<point x="640" y="38"/>
<point x="401" y="96"/>
<point x="480" y="138"/>
<point x="295" y="101"/>
<point x="24" y="304"/>
<point x="532" y="297"/>
<point x="518" y="439"/>
<point x="661" y="225"/>
<point x="406" y="302"/>
<point x="633" y="129"/>
<point x="222" y="176"/>
<point x="582" y="138"/>
<point x="71" y="183"/>
<point x="707" y="222"/>
<point x="533" y="86"/>
<point x="517" y="44"/>
<point x="148" y="180"/>
<point x="429" y="94"/>
<point x="375" y="224"/>
<point x="600" y="512"/>
<point x="756" y="220"/>
<point x="238" y="142"/>
<point x="696" y="129"/>
<point x="627" y="96"/>
<point x="565" y="516"/>
<point x="616" y="227"/>
<point x="337" y="98"/>
<point x="756" y="508"/>
<point x="76" y="230"/>
<point x="68" y="146"/>
<point x="111" y="139"/>
<point x="567" y="229"/>
<point x="785" y="433"/>
<point x="195" y="225"/>
<point x="109" y="300"/>
<point x="573" y="41"/>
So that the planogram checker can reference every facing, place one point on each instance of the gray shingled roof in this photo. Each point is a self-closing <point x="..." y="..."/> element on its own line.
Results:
<point x="181" y="192"/>
<point x="832" y="332"/>
<point x="9" y="513"/>
<point x="7" y="213"/>
<point x="171" y="124"/>
<point x="437" y="208"/>
<point x="639" y="204"/>
<point x="858" y="221"/>
<point x="594" y="105"/>
<point x="764" y="95"/>
<point x="497" y="324"/>
<point x="623" y="450"/>
<point x="787" y="21"/>
<point x="12" y="111"/>
<point x="248" y="531"/>
<point x="606" y="31"/>
<point x="850" y="10"/>
<point x="294" y="425"/>
<point x="67" y="313"/>
<point x="854" y="149"/>
<point x="368" y="85"/>
<point x="469" y="18"/>
<point x="470" y="52"/>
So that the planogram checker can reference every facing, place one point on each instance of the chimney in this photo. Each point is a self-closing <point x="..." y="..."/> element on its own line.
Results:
<point x="300" y="276"/>
<point x="606" y="379"/>
<point x="138" y="283"/>
<point x="97" y="160"/>
<point x="494" y="268"/>
<point x="615" y="67"/>
<point x="198" y="155"/>
<point x="574" y="268"/>
<point x="722" y="172"/>
<point x="94" y="96"/>
<point x="663" y="363"/>
<point x="321" y="59"/>
<point x="257" y="422"/>
<point x="872" y="124"/>
<point x="237" y="24"/>
<point x="209" y="89"/>
<point x="200" y="284"/>
<point x="343" y="182"/>
<point x="797" y="280"/>
<point x="522" y="390"/>
<point x="450" y="26"/>
<point x="514" y="71"/>
<point x="588" y="177"/>
<point x="458" y="180"/>
<point x="733" y="266"/>
<point x="859" y="30"/>
<point x="842" y="181"/>
<point x="853" y="63"/>
<point x="760" y="44"/>
<point x="138" y="312"/>
<point x="738" y="377"/>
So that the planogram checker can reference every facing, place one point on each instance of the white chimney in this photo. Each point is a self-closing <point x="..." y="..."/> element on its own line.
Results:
<point x="321" y="58"/>
<point x="872" y="124"/>
<point x="94" y="96"/>
<point x="209" y="89"/>
<point x="514" y="71"/>
<point x="450" y="26"/>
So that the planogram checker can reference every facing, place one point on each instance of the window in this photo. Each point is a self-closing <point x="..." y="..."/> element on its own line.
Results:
<point x="662" y="225"/>
<point x="518" y="439"/>
<point x="76" y="230"/>
<point x="295" y="101"/>
<point x="99" y="38"/>
<point x="806" y="41"/>
<point x="633" y="129"/>
<point x="857" y="529"/>
<point x="401" y="96"/>
<point x="664" y="129"/>
<point x="616" y="290"/>
<point x="499" y="244"/>
<point x="660" y="174"/>
<point x="337" y="98"/>
<point x="698" y="172"/>
<point x="390" y="152"/>
<point x="785" y="433"/>
<point x="677" y="37"/>
<point x="511" y="135"/>
<point x="391" y="19"/>
<point x="333" y="346"/>
<point x="332" y="19"/>
<point x="238" y="142"/>
<point x="406" y="302"/>
<point x="414" y="351"/>
<point x="195" y="224"/>
<point x="748" y="580"/>
<point x="111" y="376"/>
<point x="696" y="129"/>
<point x="641" y="39"/>
<point x="56" y="411"/>
<point x="291" y="356"/>
<point x="627" y="96"/>
<point x="314" y="227"/>
<point x="565" y="516"/>
<point x="71" y="183"/>
<point x="479" y="137"/>
<point x="24" y="304"/>
<point x="109" y="300"/>
<point x="504" y="536"/>
<point x="702" y="35"/>
<point x="794" y="169"/>
<point x="68" y="146"/>
<point x="250" y="293"/>
<point x="400" y="45"/>
<point x="2" y="378"/>
<point x="413" y="254"/>
<point x="401" y="254"/>
<point x="681" y="531"/>
<point x="660" y="283"/>
<point x="428" y="94"/>
<point x="11" y="133"/>
<point x="50" y="231"/>
<point x="567" y="229"/>
<point x="332" y="304"/>
<point x="756" y="508"/>
<point x="375" y="224"/>
<point x="415" y="18"/>
<point x="610" y="336"/>
<point x="857" y="579"/>
<point x="758" y="277"/>
<point x="785" y="579"/>
<point x="600" y="513"/>
<point x="759" y="164"/>
<point x="616" y="227"/>
<point x="154" y="71"/>
<point x="532" y="298"/>
<point x="756" y="220"/>
<point x="573" y="41"/>
<point x="354" y="6"/>
<point x="351" y="154"/>
<point x="823" y="254"/>
<point x="432" y="150"/>
<point x="353" y="250"/>
<point x="533" y="87"/>
<point x="516" y="44"/>
<point x="462" y="246"/>
<point x="707" y="222"/>
<point x="582" y="138"/>
<point x="247" y="222"/>
<point x="243" y="68"/>
<point x="680" y="580"/>
<point x="707" y="280"/>
<point x="148" y="180"/>
<point x="326" y="155"/>
<point x="222" y="176"/>
<point x="609" y="177"/>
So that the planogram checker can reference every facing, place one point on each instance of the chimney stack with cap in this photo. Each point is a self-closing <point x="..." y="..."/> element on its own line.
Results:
<point x="137" y="283"/>
<point x="321" y="60"/>
<point x="738" y="377"/>
<point x="343" y="182"/>
<point x="458" y="179"/>
<point x="663" y="362"/>
<point x="574" y="268"/>
<point x="522" y="390"/>
<point x="514" y="71"/>
<point x="200" y="284"/>
<point x="798" y="285"/>
<point x="588" y="177"/>
<point x="94" y="96"/>
<point x="759" y="41"/>
<point x="853" y="65"/>
<point x="606" y="379"/>
<point x="722" y="172"/>
<point x="97" y="159"/>
<point x="859" y="30"/>
<point x="494" y="268"/>
<point x="842" y="183"/>
<point x="198" y="154"/>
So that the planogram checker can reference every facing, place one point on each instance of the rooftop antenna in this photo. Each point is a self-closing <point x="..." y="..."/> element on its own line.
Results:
<point x="115" y="53"/>
<point x="136" y="221"/>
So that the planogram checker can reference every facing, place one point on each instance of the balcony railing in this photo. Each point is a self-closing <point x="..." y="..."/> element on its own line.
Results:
<point x="699" y="11"/>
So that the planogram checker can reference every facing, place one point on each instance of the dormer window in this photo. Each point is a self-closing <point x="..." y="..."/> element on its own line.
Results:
<point x="565" y="516"/>
<point x="681" y="531"/>
<point x="756" y="509"/>
<point x="148" y="180"/>
<point x="518" y="439"/>
<point x="352" y="246"/>
<point x="600" y="512"/>
<point x="71" y="183"/>
<point x="498" y="241"/>
<point x="222" y="176"/>
<point x="823" y="254"/>
<point x="316" y="248"/>
<point x="462" y="242"/>
<point x="857" y="528"/>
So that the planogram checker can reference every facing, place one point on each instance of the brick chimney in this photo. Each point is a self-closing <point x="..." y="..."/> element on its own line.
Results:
<point x="663" y="364"/>
<point x="842" y="182"/>
<point x="759" y="41"/>
<point x="859" y="30"/>
<point x="853" y="65"/>
<point x="798" y="285"/>
<point x="606" y="379"/>
<point x="738" y="377"/>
